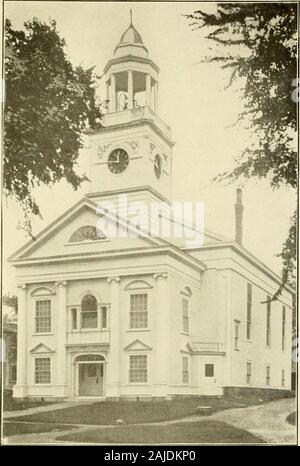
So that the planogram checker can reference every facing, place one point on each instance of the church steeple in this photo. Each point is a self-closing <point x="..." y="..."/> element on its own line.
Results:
<point x="132" y="152"/>
<point x="131" y="77"/>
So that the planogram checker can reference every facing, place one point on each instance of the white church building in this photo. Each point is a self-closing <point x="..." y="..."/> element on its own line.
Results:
<point x="137" y="315"/>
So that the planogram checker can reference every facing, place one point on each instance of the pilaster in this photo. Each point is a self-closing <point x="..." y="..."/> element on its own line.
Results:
<point x="113" y="366"/>
<point x="61" y="335"/>
<point x="162" y="327"/>
<point x="20" y="389"/>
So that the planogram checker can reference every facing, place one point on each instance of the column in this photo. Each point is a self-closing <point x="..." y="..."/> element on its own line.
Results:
<point x="20" y="389"/>
<point x="162" y="343"/>
<point x="107" y="90"/>
<point x="113" y="93"/>
<point x="148" y="90"/>
<point x="113" y="366"/>
<point x="130" y="89"/>
<point x="61" y="335"/>
<point x="156" y="96"/>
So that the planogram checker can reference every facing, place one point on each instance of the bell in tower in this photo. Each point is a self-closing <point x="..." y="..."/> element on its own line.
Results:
<point x="136" y="84"/>
<point x="132" y="151"/>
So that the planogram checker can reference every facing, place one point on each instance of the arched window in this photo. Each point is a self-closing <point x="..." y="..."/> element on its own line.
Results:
<point x="89" y="314"/>
<point x="87" y="233"/>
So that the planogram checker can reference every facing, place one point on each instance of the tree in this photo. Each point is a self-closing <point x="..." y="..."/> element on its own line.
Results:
<point x="49" y="104"/>
<point x="257" y="42"/>
<point x="9" y="308"/>
<point x="11" y="301"/>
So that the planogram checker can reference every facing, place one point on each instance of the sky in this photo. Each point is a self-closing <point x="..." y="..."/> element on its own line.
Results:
<point x="192" y="100"/>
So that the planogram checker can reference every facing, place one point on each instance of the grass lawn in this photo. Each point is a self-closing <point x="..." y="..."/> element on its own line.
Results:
<point x="291" y="419"/>
<point x="184" y="433"/>
<point x="107" y="412"/>
<point x="15" y="428"/>
<point x="9" y="404"/>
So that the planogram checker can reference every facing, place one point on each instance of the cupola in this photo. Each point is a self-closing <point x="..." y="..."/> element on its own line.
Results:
<point x="131" y="76"/>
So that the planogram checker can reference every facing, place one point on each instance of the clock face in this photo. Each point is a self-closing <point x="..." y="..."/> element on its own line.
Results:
<point x="157" y="166"/>
<point x="118" y="161"/>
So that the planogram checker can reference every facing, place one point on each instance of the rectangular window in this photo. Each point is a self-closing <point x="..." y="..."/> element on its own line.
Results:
<point x="185" y="370"/>
<point x="104" y="317"/>
<point x="89" y="319"/>
<point x="249" y="310"/>
<point x="283" y="328"/>
<point x="249" y="372"/>
<point x="185" y="316"/>
<point x="209" y="370"/>
<point x="268" y="375"/>
<point x="43" y="316"/>
<point x="74" y="318"/>
<point x="138" y="368"/>
<point x="138" y="311"/>
<point x="42" y="370"/>
<point x="236" y="334"/>
<point x="268" y="327"/>
<point x="13" y="373"/>
<point x="283" y="378"/>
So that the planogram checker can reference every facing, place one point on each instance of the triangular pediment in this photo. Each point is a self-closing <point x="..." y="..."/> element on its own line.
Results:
<point x="137" y="345"/>
<point x="41" y="349"/>
<point x="56" y="240"/>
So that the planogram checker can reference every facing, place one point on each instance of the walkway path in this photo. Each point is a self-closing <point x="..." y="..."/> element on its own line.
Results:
<point x="43" y="409"/>
<point x="266" y="421"/>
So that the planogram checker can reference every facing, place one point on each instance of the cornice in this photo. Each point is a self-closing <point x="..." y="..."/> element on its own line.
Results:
<point x="152" y="250"/>
<point x="130" y="58"/>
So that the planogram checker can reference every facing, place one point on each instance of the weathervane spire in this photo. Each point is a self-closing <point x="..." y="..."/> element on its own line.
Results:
<point x="131" y="17"/>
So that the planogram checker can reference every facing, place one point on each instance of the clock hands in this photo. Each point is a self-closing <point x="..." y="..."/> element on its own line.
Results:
<point x="118" y="161"/>
<point x="117" y="157"/>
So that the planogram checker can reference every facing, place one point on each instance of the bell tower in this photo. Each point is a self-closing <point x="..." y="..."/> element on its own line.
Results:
<point x="132" y="152"/>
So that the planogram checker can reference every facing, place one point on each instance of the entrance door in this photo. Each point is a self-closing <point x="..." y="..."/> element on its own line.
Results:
<point x="210" y="380"/>
<point x="90" y="379"/>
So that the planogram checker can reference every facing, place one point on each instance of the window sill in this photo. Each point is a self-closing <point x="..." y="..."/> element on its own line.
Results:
<point x="138" y="383"/>
<point x="42" y="384"/>
<point x="41" y="334"/>
<point x="248" y="341"/>
<point x="236" y="349"/>
<point x="185" y="333"/>
<point x="90" y="330"/>
<point x="138" y="330"/>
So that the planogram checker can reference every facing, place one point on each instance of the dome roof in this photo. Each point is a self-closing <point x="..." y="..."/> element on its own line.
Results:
<point x="131" y="38"/>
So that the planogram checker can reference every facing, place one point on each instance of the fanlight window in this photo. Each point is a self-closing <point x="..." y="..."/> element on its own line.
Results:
<point x="87" y="233"/>
<point x="89" y="314"/>
<point x="90" y="357"/>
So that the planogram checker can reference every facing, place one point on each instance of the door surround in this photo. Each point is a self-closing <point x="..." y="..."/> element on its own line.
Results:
<point x="88" y="358"/>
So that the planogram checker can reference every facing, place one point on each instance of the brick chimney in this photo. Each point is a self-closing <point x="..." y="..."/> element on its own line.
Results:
<point x="239" y="216"/>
